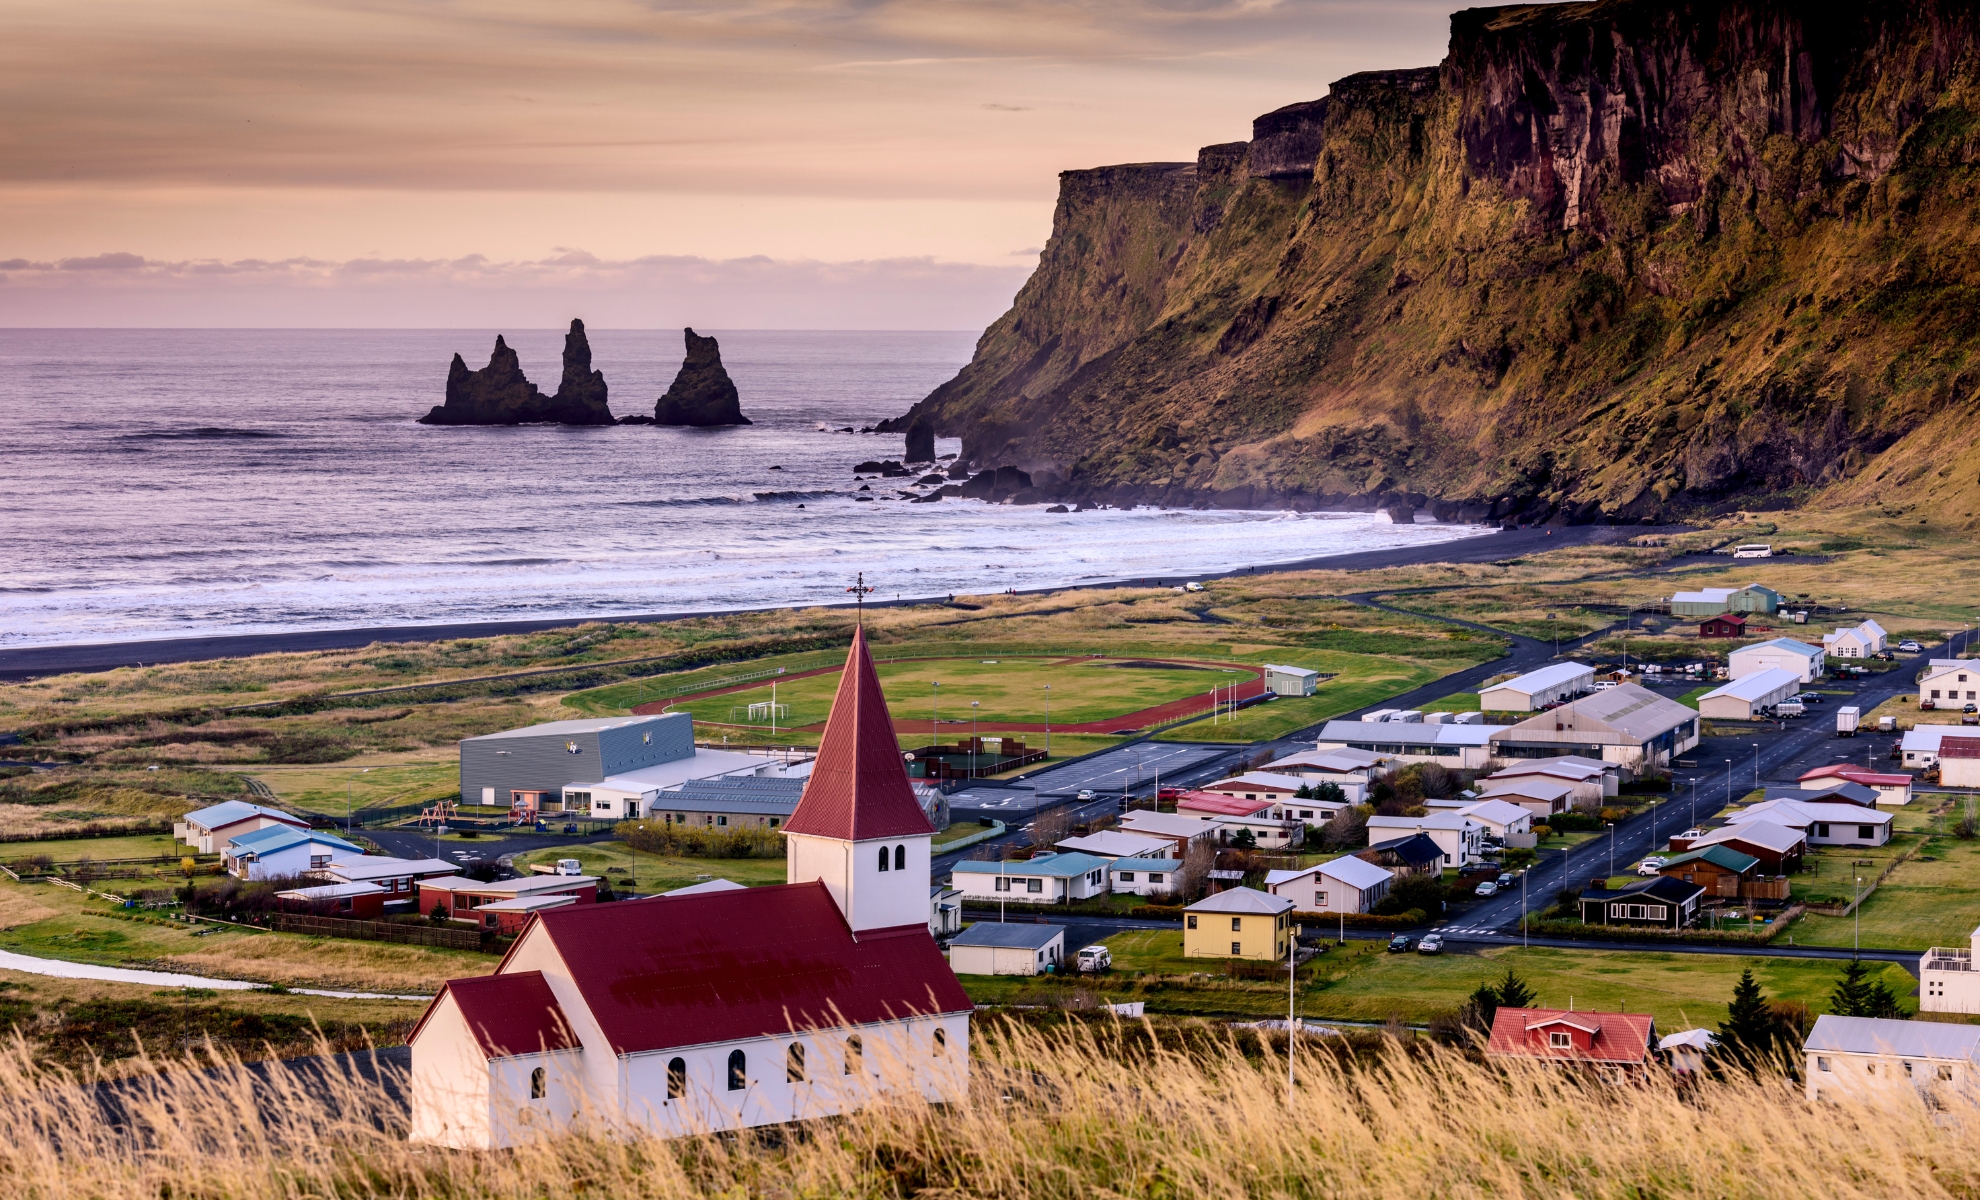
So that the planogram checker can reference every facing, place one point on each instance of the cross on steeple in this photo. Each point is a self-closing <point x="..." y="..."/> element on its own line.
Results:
<point x="859" y="590"/>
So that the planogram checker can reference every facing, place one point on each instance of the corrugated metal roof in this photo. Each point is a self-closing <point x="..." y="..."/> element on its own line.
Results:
<point x="219" y="815"/>
<point x="1959" y="747"/>
<point x="508" y="1014"/>
<point x="1222" y="805"/>
<point x="1899" y="1039"/>
<point x="858" y="789"/>
<point x="1046" y="866"/>
<point x="1022" y="936"/>
<point x="577" y="725"/>
<point x="1758" y="686"/>
<point x="1556" y="675"/>
<point x="1619" y="1037"/>
<point x="1765" y="834"/>
<point x="1789" y="644"/>
<point x="1722" y="856"/>
<point x="1242" y="900"/>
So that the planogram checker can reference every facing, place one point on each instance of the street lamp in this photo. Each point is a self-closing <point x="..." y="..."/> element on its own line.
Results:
<point x="975" y="739"/>
<point x="1694" y="803"/>
<point x="935" y="713"/>
<point x="350" y="805"/>
<point x="1048" y="722"/>
<point x="1756" y="764"/>
<point x="1729" y="781"/>
<point x="1612" y="847"/>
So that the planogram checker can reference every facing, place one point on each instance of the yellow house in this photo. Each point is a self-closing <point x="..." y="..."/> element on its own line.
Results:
<point x="1240" y="923"/>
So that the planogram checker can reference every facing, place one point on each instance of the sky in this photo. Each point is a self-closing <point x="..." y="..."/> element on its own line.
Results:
<point x="468" y="163"/>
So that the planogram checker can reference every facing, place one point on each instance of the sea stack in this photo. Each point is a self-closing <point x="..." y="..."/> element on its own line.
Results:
<point x="703" y="393"/>
<point x="920" y="441"/>
<point x="500" y="394"/>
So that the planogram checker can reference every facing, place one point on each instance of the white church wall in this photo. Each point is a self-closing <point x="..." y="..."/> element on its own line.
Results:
<point x="450" y="1092"/>
<point x="517" y="1115"/>
<point x="535" y="951"/>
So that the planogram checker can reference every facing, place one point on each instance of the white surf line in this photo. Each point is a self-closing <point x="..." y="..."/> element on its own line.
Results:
<point x="60" y="969"/>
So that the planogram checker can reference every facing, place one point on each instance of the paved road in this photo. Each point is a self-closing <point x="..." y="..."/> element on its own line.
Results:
<point x="29" y="662"/>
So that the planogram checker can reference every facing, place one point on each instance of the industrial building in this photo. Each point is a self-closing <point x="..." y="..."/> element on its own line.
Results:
<point x="1785" y="653"/>
<point x="1468" y="747"/>
<point x="1291" y="681"/>
<point x="1628" y="725"/>
<point x="530" y="767"/>
<point x="1537" y="689"/>
<point x="1749" y="698"/>
<point x="1710" y="602"/>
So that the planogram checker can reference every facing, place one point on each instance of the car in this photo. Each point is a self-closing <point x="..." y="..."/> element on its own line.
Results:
<point x="1432" y="943"/>
<point x="1192" y="587"/>
<point x="1488" y="888"/>
<point x="1095" y="958"/>
<point x="1811" y="698"/>
<point x="1401" y="944"/>
<point x="1647" y="868"/>
<point x="1604" y="685"/>
<point x="1169" y="793"/>
<point x="1507" y="879"/>
<point x="1911" y="647"/>
<point x="1086" y="794"/>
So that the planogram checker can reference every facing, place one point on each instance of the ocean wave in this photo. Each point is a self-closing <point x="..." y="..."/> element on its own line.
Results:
<point x="766" y="497"/>
<point x="198" y="433"/>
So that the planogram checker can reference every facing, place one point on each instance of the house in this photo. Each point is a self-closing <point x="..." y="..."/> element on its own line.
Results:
<point x="1947" y="683"/>
<point x="1686" y="1050"/>
<point x="1628" y="725"/>
<point x="1725" y="625"/>
<point x="351" y="901"/>
<point x="1539" y="796"/>
<point x="1779" y="849"/>
<point x="208" y="830"/>
<point x="283" y="852"/>
<point x="397" y="877"/>
<point x="1254" y="785"/>
<point x="1844" y="792"/>
<point x="1113" y="843"/>
<point x="1920" y="744"/>
<point x="1783" y="654"/>
<point x="1180" y="829"/>
<point x="1273" y="824"/>
<point x="1212" y="804"/>
<point x="1240" y="923"/>
<point x="1750" y="698"/>
<point x="1855" y="641"/>
<point x="725" y="1009"/>
<point x="1660" y="902"/>
<point x="1821" y="824"/>
<point x="944" y="911"/>
<point x="1291" y="681"/>
<point x="1959" y="761"/>
<point x="1594" y="779"/>
<point x="1718" y="868"/>
<point x="995" y="948"/>
<point x="1539" y="689"/>
<point x="1143" y="876"/>
<point x="1864" y="1057"/>
<point x="508" y="917"/>
<point x="1460" y="747"/>
<point x="1502" y="820"/>
<point x="457" y="897"/>
<point x="1460" y="839"/>
<point x="1349" y="770"/>
<point x="1342" y="885"/>
<point x="1041" y="879"/>
<point x="1617" y="1042"/>
<point x="1891" y="788"/>
<point x="1948" y="980"/>
<point x="1416" y="854"/>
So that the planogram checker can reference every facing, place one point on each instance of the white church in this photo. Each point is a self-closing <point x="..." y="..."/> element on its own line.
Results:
<point x="722" y="1010"/>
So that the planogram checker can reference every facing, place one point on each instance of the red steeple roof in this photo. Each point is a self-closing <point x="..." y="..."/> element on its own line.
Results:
<point x="859" y="787"/>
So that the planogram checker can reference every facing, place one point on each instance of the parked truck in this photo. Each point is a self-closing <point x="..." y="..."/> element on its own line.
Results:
<point x="1846" y="718"/>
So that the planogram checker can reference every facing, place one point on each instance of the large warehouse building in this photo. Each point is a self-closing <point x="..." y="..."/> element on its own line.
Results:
<point x="1535" y="690"/>
<point x="538" y="760"/>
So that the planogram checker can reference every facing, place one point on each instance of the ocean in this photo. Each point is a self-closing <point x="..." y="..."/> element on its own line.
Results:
<point x="175" y="483"/>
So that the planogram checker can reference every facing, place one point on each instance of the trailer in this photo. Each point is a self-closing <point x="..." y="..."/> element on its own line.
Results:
<point x="1846" y="718"/>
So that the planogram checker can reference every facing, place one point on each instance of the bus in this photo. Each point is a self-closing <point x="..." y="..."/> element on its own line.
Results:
<point x="1754" y="550"/>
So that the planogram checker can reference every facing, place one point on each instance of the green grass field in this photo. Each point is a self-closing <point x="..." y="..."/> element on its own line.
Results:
<point x="658" y="873"/>
<point x="1931" y="899"/>
<point x="1359" y="680"/>
<point x="332" y="789"/>
<point x="151" y="845"/>
<point x="1455" y="702"/>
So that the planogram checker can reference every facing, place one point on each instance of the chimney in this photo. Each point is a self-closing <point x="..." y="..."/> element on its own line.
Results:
<point x="1599" y="884"/>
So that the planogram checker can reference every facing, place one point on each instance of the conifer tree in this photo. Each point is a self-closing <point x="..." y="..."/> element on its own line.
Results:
<point x="1851" y="997"/>
<point x="1513" y="992"/>
<point x="1749" y="1032"/>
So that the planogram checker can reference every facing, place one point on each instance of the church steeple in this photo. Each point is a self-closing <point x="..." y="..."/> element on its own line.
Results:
<point x="858" y="826"/>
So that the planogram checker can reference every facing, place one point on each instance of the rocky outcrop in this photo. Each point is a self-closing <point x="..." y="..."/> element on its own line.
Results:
<point x="1637" y="259"/>
<point x="702" y="394"/>
<point x="500" y="394"/>
<point x="920" y="441"/>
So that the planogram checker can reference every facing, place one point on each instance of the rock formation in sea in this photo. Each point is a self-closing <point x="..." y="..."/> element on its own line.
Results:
<point x="500" y="394"/>
<point x="920" y="441"/>
<point x="703" y="393"/>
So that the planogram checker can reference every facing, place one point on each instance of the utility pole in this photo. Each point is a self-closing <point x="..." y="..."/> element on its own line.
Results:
<point x="1292" y="947"/>
<point x="1756" y="764"/>
<point x="1694" y="803"/>
<point x="935" y="714"/>
<point x="1048" y="722"/>
<point x="1612" y="847"/>
<point x="1525" y="937"/>
<point x="975" y="738"/>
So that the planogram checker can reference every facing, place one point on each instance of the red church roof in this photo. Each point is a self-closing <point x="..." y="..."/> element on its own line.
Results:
<point x="1599" y="1037"/>
<point x="508" y="1014"/>
<point x="859" y="787"/>
<point x="672" y="971"/>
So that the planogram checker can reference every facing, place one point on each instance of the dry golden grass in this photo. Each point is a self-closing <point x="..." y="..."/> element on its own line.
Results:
<point x="1074" y="1114"/>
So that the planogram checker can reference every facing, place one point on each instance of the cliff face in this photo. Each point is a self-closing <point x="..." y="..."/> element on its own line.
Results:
<point x="1619" y="259"/>
<point x="702" y="392"/>
<point x="500" y="394"/>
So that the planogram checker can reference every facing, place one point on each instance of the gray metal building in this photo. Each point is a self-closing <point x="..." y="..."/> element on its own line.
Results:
<point x="543" y="758"/>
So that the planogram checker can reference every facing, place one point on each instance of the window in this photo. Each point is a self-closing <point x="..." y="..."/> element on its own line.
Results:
<point x="1907" y="1069"/>
<point x="855" y="1053"/>
<point x="1618" y="911"/>
<point x="1034" y="885"/>
<point x="883" y="858"/>
<point x="738" y="1070"/>
<point x="941" y="1039"/>
<point x="1935" y="693"/>
<point x="1320" y="899"/>
<point x="1821" y="829"/>
<point x="1237" y="947"/>
<point x="1560" y="1040"/>
<point x="1237" y="924"/>
<point x="1305" y="812"/>
<point x="1003" y="883"/>
<point x="1192" y="921"/>
<point x="1127" y="876"/>
<point x="721" y="820"/>
<point x="1822" y="1063"/>
<point x="539" y="1086"/>
<point x="1866" y="831"/>
<point x="1154" y="877"/>
<point x="676" y="1078"/>
<point x="1657" y="912"/>
<point x="1636" y="912"/>
<point x="900" y="858"/>
<point x="794" y="1063"/>
<point x="318" y="861"/>
<point x="1945" y="1072"/>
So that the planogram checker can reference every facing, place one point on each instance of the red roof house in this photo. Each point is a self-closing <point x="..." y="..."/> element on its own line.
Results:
<point x="1892" y="787"/>
<point x="1221" y="805"/>
<point x="1725" y="625"/>
<point x="727" y="1009"/>
<point x="1596" y="1038"/>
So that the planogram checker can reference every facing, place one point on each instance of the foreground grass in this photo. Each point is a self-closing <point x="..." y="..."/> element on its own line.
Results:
<point x="1052" y="1113"/>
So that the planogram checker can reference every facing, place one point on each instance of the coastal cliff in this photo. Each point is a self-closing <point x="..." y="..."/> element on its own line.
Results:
<point x="500" y="394"/>
<point x="1617" y="260"/>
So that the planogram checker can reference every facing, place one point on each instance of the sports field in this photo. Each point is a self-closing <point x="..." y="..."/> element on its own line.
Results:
<point x="1000" y="693"/>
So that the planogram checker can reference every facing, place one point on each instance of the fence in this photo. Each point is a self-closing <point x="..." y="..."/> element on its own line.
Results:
<point x="92" y="830"/>
<point x="376" y="931"/>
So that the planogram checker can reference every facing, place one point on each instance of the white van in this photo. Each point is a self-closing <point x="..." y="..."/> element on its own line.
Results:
<point x="1790" y="708"/>
<point x="569" y="866"/>
<point x="1095" y="958"/>
<point x="1754" y="550"/>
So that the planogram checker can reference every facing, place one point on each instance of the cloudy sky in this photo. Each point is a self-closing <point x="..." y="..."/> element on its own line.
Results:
<point x="761" y="163"/>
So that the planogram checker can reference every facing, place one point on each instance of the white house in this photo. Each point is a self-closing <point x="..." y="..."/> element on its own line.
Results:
<point x="1539" y="795"/>
<point x="1959" y="761"/>
<point x="1892" y="788"/>
<point x="284" y="852"/>
<point x="1920" y="745"/>
<point x="1501" y="818"/>
<point x="1180" y="829"/>
<point x="720" y="1010"/>
<point x="995" y="948"/>
<point x="1537" y="689"/>
<point x="399" y="877"/>
<point x="1113" y="843"/>
<point x="1784" y="654"/>
<point x="1949" y="683"/>
<point x="1865" y="1058"/>
<point x="1257" y="785"/>
<point x="1459" y="837"/>
<point x="1948" y="980"/>
<point x="1143" y="876"/>
<point x="208" y="830"/>
<point x="1466" y="747"/>
<point x="1821" y="824"/>
<point x="1855" y="641"/>
<point x="1747" y="698"/>
<point x="1291" y="681"/>
<point x="1590" y="779"/>
<point x="1041" y="879"/>
<point x="1346" y="884"/>
<point x="1349" y="770"/>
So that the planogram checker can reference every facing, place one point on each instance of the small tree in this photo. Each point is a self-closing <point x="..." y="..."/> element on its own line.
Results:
<point x="1305" y="792"/>
<point x="1329" y="793"/>
<point x="1751" y="1033"/>
<point x="1244" y="840"/>
<point x="1851" y="997"/>
<point x="1513" y="992"/>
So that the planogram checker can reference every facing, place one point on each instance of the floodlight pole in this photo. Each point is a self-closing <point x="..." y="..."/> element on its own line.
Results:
<point x="1525" y="937"/>
<point x="1756" y="764"/>
<point x="975" y="739"/>
<point x="1048" y="722"/>
<point x="935" y="714"/>
<point x="1612" y="847"/>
